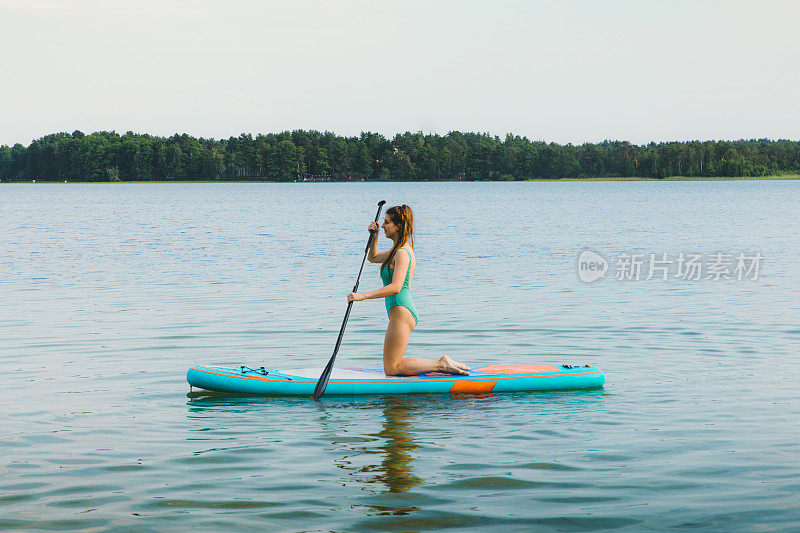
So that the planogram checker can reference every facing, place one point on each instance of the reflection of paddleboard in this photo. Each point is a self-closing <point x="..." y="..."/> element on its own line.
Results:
<point x="301" y="381"/>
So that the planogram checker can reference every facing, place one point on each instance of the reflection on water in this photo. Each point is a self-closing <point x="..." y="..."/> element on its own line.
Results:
<point x="397" y="436"/>
<point x="387" y="460"/>
<point x="396" y="440"/>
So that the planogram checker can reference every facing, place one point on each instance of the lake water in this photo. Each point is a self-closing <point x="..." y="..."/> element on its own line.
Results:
<point x="109" y="292"/>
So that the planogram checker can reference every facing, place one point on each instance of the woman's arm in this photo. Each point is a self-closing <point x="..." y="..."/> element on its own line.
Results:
<point x="372" y="255"/>
<point x="379" y="258"/>
<point x="402" y="263"/>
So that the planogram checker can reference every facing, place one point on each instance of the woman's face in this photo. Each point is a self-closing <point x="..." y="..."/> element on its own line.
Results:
<point x="389" y="227"/>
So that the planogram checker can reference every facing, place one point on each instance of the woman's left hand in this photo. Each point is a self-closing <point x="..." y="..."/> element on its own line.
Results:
<point x="355" y="297"/>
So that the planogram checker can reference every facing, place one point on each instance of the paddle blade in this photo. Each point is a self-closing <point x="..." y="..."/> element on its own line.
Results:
<point x="322" y="384"/>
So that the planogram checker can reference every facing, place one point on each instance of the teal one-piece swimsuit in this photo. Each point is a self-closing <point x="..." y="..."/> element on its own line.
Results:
<point x="404" y="296"/>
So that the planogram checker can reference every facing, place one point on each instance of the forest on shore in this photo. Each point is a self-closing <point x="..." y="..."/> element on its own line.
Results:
<point x="312" y="155"/>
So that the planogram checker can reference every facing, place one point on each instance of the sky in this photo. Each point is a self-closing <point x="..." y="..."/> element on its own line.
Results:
<point x="558" y="71"/>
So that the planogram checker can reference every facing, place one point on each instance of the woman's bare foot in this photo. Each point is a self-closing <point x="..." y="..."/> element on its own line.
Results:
<point x="453" y="367"/>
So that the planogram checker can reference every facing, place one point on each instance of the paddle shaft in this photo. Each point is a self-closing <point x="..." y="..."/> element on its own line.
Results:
<point x="319" y="390"/>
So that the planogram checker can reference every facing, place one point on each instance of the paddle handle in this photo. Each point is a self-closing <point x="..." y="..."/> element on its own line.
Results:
<point x="322" y="383"/>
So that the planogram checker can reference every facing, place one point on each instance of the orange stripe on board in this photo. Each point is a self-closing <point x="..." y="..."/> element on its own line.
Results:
<point x="473" y="386"/>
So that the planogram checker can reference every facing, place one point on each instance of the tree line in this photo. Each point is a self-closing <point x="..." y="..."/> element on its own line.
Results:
<point x="303" y="155"/>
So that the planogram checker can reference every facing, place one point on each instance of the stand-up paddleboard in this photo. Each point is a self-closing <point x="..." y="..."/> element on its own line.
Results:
<point x="352" y="381"/>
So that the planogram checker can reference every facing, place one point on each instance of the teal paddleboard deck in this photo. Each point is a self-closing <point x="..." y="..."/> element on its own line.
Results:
<point x="353" y="381"/>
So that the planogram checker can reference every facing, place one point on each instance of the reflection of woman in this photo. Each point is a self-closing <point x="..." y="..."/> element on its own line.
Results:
<point x="396" y="464"/>
<point x="397" y="271"/>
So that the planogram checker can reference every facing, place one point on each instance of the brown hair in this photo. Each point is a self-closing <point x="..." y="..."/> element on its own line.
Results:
<point x="402" y="217"/>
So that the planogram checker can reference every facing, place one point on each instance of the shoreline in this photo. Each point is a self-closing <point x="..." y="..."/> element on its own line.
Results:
<point x="671" y="178"/>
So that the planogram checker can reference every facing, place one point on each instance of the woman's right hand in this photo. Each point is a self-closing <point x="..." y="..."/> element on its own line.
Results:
<point x="373" y="226"/>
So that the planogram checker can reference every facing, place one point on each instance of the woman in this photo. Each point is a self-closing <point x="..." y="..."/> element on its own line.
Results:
<point x="397" y="270"/>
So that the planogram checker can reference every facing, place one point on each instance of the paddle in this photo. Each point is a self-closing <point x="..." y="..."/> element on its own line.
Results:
<point x="319" y="390"/>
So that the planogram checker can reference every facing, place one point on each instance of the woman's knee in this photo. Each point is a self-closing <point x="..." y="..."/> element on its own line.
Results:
<point x="390" y="370"/>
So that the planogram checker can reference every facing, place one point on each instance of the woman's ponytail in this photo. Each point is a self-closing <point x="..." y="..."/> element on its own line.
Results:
<point x="402" y="217"/>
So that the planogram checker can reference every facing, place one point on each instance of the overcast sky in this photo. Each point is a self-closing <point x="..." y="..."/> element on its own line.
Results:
<point x="562" y="71"/>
